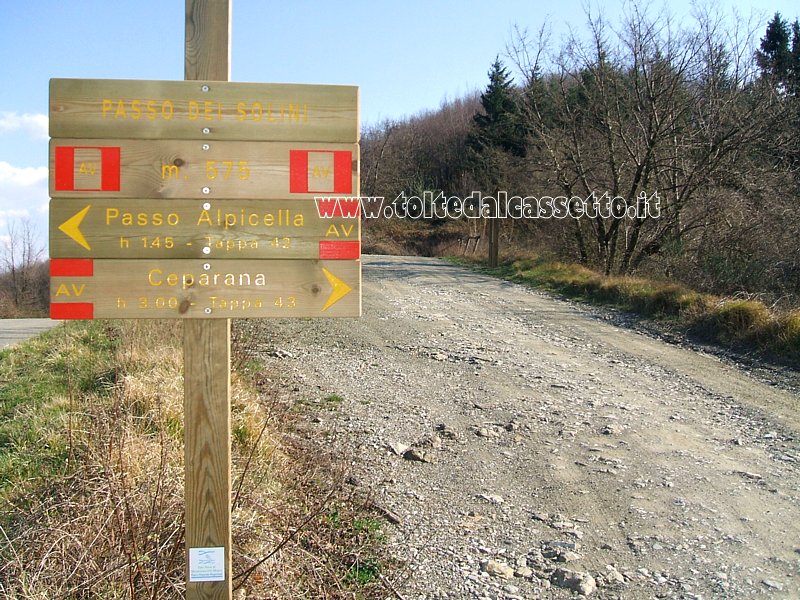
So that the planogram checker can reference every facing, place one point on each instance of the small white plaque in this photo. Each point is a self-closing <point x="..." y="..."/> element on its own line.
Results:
<point x="206" y="564"/>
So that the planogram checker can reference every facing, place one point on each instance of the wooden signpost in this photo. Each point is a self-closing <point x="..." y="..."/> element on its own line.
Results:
<point x="184" y="228"/>
<point x="199" y="200"/>
<point x="206" y="367"/>
<point x="154" y="172"/>
<point x="197" y="289"/>
<point x="127" y="168"/>
<point x="208" y="110"/>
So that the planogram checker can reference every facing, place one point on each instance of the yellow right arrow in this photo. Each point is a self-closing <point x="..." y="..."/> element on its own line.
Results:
<point x="340" y="289"/>
<point x="71" y="227"/>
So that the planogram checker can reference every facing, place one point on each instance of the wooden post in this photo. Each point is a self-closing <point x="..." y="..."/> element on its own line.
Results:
<point x="494" y="242"/>
<point x="206" y="367"/>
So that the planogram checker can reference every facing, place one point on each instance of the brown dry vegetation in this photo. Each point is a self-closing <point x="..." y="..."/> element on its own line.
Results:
<point x="26" y="292"/>
<point x="101" y="514"/>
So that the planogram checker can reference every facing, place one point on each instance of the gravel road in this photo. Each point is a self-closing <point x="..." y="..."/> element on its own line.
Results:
<point x="13" y="331"/>
<point x="528" y="448"/>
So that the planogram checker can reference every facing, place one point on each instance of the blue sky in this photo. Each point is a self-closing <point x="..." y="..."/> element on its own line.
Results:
<point x="405" y="56"/>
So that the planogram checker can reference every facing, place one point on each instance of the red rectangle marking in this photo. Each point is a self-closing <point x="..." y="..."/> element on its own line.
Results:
<point x="71" y="310"/>
<point x="298" y="171"/>
<point x="339" y="249"/>
<point x="110" y="167"/>
<point x="65" y="168"/>
<point x="342" y="172"/>
<point x="71" y="267"/>
<point x="110" y="164"/>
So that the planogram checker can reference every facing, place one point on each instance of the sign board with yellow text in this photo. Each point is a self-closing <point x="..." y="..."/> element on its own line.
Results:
<point x="197" y="169"/>
<point x="112" y="289"/>
<point x="218" y="229"/>
<point x="203" y="110"/>
<point x="192" y="199"/>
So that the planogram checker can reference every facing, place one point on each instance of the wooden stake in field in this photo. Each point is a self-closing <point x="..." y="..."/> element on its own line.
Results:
<point x="206" y="352"/>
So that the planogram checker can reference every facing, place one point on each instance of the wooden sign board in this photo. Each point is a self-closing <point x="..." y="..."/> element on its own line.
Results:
<point x="111" y="289"/>
<point x="198" y="169"/>
<point x="214" y="229"/>
<point x="212" y="110"/>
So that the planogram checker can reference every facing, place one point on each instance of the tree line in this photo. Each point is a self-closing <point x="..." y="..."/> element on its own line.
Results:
<point x="24" y="274"/>
<point x="702" y="117"/>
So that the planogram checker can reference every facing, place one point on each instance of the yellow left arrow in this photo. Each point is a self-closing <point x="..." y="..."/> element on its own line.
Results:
<point x="340" y="289"/>
<point x="72" y="227"/>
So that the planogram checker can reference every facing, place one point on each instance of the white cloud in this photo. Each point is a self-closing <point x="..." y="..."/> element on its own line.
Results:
<point x="33" y="124"/>
<point x="23" y="194"/>
<point x="20" y="176"/>
<point x="15" y="213"/>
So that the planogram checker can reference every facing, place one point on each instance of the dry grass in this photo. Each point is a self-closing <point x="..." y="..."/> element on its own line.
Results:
<point x="108" y="522"/>
<point x="789" y="329"/>
<point x="740" y="322"/>
<point x="111" y="525"/>
<point x="741" y="319"/>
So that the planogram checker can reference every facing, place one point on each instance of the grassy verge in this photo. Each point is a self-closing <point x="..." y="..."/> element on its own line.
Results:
<point x="745" y="324"/>
<point x="91" y="477"/>
<point x="92" y="464"/>
<point x="39" y="383"/>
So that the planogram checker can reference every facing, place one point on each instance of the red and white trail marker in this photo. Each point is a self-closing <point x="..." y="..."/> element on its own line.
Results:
<point x="320" y="172"/>
<point x="87" y="168"/>
<point x="70" y="267"/>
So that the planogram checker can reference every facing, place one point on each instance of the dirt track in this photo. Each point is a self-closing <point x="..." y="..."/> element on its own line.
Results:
<point x="555" y="440"/>
<point x="13" y="331"/>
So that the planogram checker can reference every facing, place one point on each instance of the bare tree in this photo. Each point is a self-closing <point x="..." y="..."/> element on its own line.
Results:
<point x="21" y="257"/>
<point x="648" y="109"/>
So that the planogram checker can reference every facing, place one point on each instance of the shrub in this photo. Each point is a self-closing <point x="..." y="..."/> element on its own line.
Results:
<point x="741" y="319"/>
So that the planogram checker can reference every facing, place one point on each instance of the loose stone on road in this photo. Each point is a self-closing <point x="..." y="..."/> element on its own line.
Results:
<point x="527" y="447"/>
